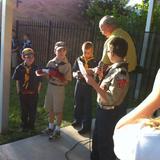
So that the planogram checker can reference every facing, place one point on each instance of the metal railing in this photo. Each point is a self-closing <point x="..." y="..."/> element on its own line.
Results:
<point x="44" y="34"/>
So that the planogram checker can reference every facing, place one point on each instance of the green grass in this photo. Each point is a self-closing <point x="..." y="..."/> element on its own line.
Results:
<point x="14" y="132"/>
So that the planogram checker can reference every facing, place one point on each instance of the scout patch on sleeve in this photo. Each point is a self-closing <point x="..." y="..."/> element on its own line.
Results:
<point x="121" y="81"/>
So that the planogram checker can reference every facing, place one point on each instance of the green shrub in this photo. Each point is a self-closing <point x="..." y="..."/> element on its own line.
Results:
<point x="129" y="18"/>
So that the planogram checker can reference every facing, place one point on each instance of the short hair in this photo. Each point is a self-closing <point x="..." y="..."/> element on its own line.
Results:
<point x="109" y="20"/>
<point x="87" y="45"/>
<point x="118" y="46"/>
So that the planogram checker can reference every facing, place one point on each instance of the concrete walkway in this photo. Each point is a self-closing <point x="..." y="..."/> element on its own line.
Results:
<point x="40" y="148"/>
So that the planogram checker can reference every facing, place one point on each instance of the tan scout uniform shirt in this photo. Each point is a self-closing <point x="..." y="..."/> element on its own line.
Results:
<point x="65" y="69"/>
<point x="115" y="83"/>
<point x="131" y="57"/>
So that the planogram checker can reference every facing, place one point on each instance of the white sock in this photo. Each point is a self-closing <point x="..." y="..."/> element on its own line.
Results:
<point x="51" y="125"/>
<point x="57" y="128"/>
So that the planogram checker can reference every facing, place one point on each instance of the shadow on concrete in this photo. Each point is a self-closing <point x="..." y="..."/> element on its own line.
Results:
<point x="40" y="148"/>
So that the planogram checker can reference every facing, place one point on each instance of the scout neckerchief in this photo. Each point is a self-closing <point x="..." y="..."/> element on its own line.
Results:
<point x="26" y="76"/>
<point x="83" y="65"/>
<point x="85" y="61"/>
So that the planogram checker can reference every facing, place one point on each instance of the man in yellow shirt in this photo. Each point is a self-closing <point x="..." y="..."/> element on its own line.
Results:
<point x="110" y="29"/>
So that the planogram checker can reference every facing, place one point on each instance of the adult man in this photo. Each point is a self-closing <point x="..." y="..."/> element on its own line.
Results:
<point x="110" y="29"/>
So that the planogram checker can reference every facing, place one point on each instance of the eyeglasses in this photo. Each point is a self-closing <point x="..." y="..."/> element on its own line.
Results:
<point x="28" y="56"/>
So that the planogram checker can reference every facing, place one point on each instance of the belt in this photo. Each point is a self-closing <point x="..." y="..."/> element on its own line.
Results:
<point x="27" y="92"/>
<point x="107" y="107"/>
<point x="56" y="84"/>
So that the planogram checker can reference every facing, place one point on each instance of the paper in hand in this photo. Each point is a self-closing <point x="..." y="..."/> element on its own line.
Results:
<point x="82" y="69"/>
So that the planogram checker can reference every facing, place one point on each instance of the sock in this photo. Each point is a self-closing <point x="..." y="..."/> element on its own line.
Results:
<point x="51" y="125"/>
<point x="57" y="128"/>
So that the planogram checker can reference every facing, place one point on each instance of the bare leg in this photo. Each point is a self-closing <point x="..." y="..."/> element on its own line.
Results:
<point x="51" y="117"/>
<point x="59" y="118"/>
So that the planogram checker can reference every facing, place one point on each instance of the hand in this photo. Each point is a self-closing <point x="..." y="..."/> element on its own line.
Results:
<point x="79" y="75"/>
<point x="99" y="72"/>
<point x="90" y="80"/>
<point x="90" y="71"/>
<point x="41" y="72"/>
<point x="96" y="70"/>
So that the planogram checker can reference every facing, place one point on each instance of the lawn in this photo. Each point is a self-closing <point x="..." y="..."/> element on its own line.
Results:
<point x="14" y="132"/>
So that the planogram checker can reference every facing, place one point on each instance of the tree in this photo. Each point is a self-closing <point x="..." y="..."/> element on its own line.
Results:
<point x="130" y="18"/>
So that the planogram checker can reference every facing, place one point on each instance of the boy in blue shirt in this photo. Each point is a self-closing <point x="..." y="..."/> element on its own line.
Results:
<point x="83" y="91"/>
<point x="28" y="86"/>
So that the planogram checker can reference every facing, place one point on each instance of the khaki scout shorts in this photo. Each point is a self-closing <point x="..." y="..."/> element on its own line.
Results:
<point x="54" y="100"/>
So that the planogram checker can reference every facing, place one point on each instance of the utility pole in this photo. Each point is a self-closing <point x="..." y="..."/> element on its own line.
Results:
<point x="144" y="47"/>
<point x="5" y="62"/>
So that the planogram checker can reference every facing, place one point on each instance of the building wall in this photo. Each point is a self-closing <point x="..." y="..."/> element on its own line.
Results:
<point x="68" y="10"/>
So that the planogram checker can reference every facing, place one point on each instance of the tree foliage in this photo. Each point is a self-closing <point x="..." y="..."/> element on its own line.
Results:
<point x="130" y="18"/>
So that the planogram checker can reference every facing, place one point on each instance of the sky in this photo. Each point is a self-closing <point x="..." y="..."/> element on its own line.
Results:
<point x="134" y="2"/>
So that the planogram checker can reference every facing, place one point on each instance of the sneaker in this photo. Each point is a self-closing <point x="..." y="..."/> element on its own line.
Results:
<point x="56" y="134"/>
<point x="76" y="123"/>
<point x="83" y="130"/>
<point x="47" y="131"/>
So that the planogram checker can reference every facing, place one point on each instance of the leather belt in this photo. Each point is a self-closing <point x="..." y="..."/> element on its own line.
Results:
<point x="27" y="92"/>
<point x="107" y="107"/>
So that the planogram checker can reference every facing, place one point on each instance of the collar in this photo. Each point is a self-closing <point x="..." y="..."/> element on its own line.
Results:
<point x="65" y="60"/>
<point x="116" y="30"/>
<point x="119" y="64"/>
<point x="83" y="58"/>
<point x="26" y="66"/>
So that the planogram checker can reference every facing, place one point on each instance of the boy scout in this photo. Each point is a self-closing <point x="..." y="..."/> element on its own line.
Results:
<point x="110" y="94"/>
<point x="28" y="86"/>
<point x="83" y="91"/>
<point x="54" y="100"/>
